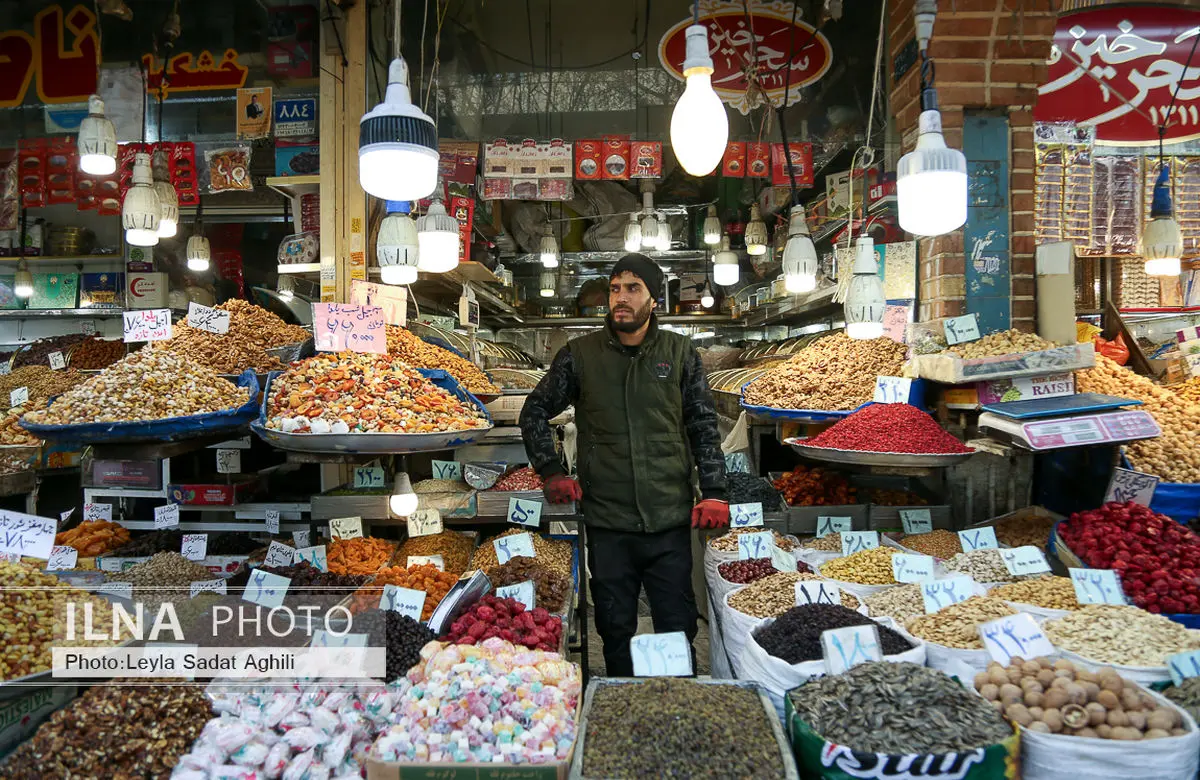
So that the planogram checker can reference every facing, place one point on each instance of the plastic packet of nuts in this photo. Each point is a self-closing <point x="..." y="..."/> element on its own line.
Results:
<point x="229" y="169"/>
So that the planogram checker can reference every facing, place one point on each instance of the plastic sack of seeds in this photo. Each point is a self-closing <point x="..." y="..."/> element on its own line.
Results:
<point x="229" y="169"/>
<point x="735" y="630"/>
<point x="1143" y="675"/>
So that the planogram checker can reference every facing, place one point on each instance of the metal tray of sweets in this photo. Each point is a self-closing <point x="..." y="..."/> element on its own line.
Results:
<point x="863" y="458"/>
<point x="785" y="749"/>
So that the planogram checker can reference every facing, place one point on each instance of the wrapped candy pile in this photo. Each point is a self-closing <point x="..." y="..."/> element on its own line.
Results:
<point x="491" y="703"/>
<point x="279" y="731"/>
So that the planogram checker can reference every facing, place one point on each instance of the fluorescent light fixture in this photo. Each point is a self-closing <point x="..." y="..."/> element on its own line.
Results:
<point x="397" y="248"/>
<point x="799" y="255"/>
<point x="725" y="265"/>
<point x="397" y="144"/>
<point x="756" y="233"/>
<point x="1162" y="239"/>
<point x="97" y="141"/>
<point x="141" y="211"/>
<point x="712" y="227"/>
<point x="438" y="239"/>
<point x="864" y="300"/>
<point x="699" y="124"/>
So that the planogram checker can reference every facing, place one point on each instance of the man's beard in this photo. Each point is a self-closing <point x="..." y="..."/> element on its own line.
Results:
<point x="639" y="319"/>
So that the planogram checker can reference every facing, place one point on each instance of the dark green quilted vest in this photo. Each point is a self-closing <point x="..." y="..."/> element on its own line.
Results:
<point x="635" y="466"/>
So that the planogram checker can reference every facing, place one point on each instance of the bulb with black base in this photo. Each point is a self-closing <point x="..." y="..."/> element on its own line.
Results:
<point x="397" y="144"/>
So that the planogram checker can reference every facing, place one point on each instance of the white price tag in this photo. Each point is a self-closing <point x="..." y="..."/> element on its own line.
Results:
<point x="229" y="461"/>
<point x="755" y="545"/>
<point x="1014" y="636"/>
<point x="1097" y="586"/>
<point x="30" y="535"/>
<point x="421" y="560"/>
<point x="960" y="329"/>
<point x="447" y="469"/>
<point x="57" y="361"/>
<point x="368" y="477"/>
<point x="5" y="368"/>
<point x="661" y="655"/>
<point x="817" y="592"/>
<point x="279" y="554"/>
<point x="87" y="327"/>
<point x="509" y="547"/>
<point x="916" y="521"/>
<point x="424" y="522"/>
<point x="62" y="558"/>
<point x="218" y="586"/>
<point x="892" y="389"/>
<point x="406" y="601"/>
<point x="844" y="648"/>
<point x="521" y="591"/>
<point x="978" y="539"/>
<point x="207" y="318"/>
<point x="266" y="589"/>
<point x="121" y="590"/>
<point x="1024" y="560"/>
<point x="832" y="525"/>
<point x="857" y="541"/>
<point x="315" y="556"/>
<point x="943" y="593"/>
<point x="63" y="516"/>
<point x="1183" y="665"/>
<point x="166" y="516"/>
<point x="272" y="516"/>
<point x="323" y="638"/>
<point x="912" y="568"/>
<point x="300" y="538"/>
<point x="525" y="512"/>
<point x="782" y="560"/>
<point x="345" y="528"/>
<point x="97" y="512"/>
<point x="195" y="546"/>
<point x="18" y="397"/>
<point x="745" y="515"/>
<point x="146" y="325"/>
<point x="1134" y="486"/>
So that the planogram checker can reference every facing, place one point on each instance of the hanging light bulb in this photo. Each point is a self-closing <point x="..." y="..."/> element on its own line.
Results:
<point x="799" y="255"/>
<point x="141" y="211"/>
<point x="199" y="253"/>
<point x="725" y="265"/>
<point x="864" y="300"/>
<point x="1162" y="240"/>
<point x="286" y="287"/>
<point x="437" y="236"/>
<point x="633" y="234"/>
<point x="397" y="249"/>
<point x="548" y="251"/>
<point x="168" y="200"/>
<point x="97" y="141"/>
<point x="403" y="501"/>
<point x="706" y="297"/>
<point x="23" y="281"/>
<point x="756" y="233"/>
<point x="699" y="124"/>
<point x="664" y="235"/>
<point x="397" y="143"/>
<point x="546" y="284"/>
<point x="712" y="227"/>
<point x="649" y="222"/>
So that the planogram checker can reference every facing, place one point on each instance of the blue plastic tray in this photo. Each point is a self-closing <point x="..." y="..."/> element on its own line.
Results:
<point x="170" y="429"/>
<point x="916" y="398"/>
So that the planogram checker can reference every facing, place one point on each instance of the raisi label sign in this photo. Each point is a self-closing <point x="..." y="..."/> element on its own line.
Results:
<point x="1117" y="68"/>
<point x="757" y="37"/>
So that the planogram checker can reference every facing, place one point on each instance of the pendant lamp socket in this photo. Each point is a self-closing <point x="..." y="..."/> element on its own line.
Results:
<point x="141" y="211"/>
<point x="756" y="233"/>
<point x="438" y="238"/>
<point x="633" y="234"/>
<point x="864" y="304"/>
<point x="397" y="248"/>
<point x="1162" y="238"/>
<point x="548" y="249"/>
<point x="199" y="253"/>
<point x="168" y="199"/>
<point x="800" y="260"/>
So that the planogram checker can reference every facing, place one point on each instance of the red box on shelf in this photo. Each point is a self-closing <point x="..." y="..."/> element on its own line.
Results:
<point x="215" y="493"/>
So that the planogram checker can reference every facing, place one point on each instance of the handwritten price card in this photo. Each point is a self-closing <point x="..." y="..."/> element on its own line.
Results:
<point x="521" y="591"/>
<point x="1024" y="560"/>
<point x="424" y="522"/>
<point x="1134" y="486"/>
<point x="1183" y="665"/>
<point x="57" y="361"/>
<point x="272" y="518"/>
<point x="844" y="648"/>
<point x="121" y="590"/>
<point x="755" y="545"/>
<point x="782" y="560"/>
<point x="1014" y="636"/>
<point x="367" y="477"/>
<point x="857" y="541"/>
<point x="18" y="397"/>
<point x="817" y="592"/>
<point x="892" y="389"/>
<point x="195" y="546"/>
<point x="279" y="554"/>
<point x="300" y="539"/>
<point x="832" y="525"/>
<point x="62" y="558"/>
<point x="229" y="461"/>
<point x="978" y="539"/>
<point x="313" y="555"/>
<point x="146" y="325"/>
<point x="421" y="560"/>
<point x="26" y="534"/>
<point x="912" y="568"/>
<point x="406" y="601"/>
<point x="345" y="528"/>
<point x="217" y="586"/>
<point x="523" y="512"/>
<point x="341" y="326"/>
<point x="447" y="469"/>
<point x="1097" y="586"/>
<point x="392" y="299"/>
<point x="916" y="521"/>
<point x="509" y="547"/>
<point x="745" y="515"/>
<point x="960" y="329"/>
<point x="207" y="318"/>
<point x="943" y="593"/>
<point x="661" y="655"/>
<point x="266" y="589"/>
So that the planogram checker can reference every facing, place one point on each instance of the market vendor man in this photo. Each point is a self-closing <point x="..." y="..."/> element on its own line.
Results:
<point x="647" y="436"/>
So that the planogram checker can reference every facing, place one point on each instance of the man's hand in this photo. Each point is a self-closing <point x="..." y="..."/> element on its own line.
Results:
<point x="710" y="513"/>
<point x="561" y="489"/>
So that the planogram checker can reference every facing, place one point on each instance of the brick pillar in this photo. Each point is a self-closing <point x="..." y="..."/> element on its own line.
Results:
<point x="990" y="57"/>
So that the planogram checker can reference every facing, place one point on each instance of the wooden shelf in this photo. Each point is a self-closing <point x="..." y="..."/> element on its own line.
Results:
<point x="66" y="259"/>
<point x="291" y="186"/>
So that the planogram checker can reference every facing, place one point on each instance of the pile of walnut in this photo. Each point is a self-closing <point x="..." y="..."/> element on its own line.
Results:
<point x="1006" y="342"/>
<point x="836" y="373"/>
<point x="252" y="331"/>
<point x="1056" y="697"/>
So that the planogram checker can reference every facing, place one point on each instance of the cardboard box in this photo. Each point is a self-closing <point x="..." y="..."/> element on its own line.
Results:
<point x="733" y="163"/>
<point x="298" y="160"/>
<point x="54" y="291"/>
<point x="587" y="159"/>
<point x="616" y="157"/>
<point x="213" y="494"/>
<point x="498" y="160"/>
<point x="146" y="290"/>
<point x="137" y="474"/>
<point x="102" y="291"/>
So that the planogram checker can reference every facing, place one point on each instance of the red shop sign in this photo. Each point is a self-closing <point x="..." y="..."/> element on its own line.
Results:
<point x="760" y="32"/>
<point x="63" y="52"/>
<point x="1137" y="52"/>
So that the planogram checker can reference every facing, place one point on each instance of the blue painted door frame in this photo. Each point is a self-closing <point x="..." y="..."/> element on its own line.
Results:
<point x="986" y="236"/>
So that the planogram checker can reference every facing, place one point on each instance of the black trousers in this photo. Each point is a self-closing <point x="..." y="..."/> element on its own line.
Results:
<point x="621" y="563"/>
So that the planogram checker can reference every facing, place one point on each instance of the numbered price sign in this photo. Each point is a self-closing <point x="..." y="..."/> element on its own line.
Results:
<point x="832" y="525"/>
<point x="22" y="534"/>
<point x="1097" y="586"/>
<point x="892" y="389"/>
<point x="18" y="397"/>
<point x="279" y="554"/>
<point x="1183" y="665"/>
<point x="912" y="568"/>
<point x="978" y="539"/>
<point x="340" y="326"/>
<point x="406" y="601"/>
<point x="166" y="516"/>
<point x="745" y="515"/>
<point x="817" y="592"/>
<point x="208" y="318"/>
<point x="525" y="512"/>
<point x="447" y="469"/>
<point x="57" y="361"/>
<point x="1024" y="560"/>
<point x="521" y="591"/>
<point x="509" y="547"/>
<point x="857" y="541"/>
<point x="368" y="477"/>
<point x="916" y="521"/>
<point x="218" y="586"/>
<point x="424" y="522"/>
<point x="300" y="539"/>
<point x="942" y="593"/>
<point x="755" y="545"/>
<point x="120" y="590"/>
<point x="195" y="546"/>
<point x="229" y="461"/>
<point x="421" y="560"/>
<point x="1134" y="486"/>
<point x="661" y="655"/>
<point x="62" y="558"/>
<point x="1014" y="636"/>
<point x="960" y="329"/>
<point x="345" y="528"/>
<point x="146" y="325"/>
<point x="843" y="648"/>
<point x="266" y="589"/>
<point x="272" y="517"/>
<point x="315" y="556"/>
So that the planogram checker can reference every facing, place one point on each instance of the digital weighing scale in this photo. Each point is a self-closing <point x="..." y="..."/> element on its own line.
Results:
<point x="1078" y="420"/>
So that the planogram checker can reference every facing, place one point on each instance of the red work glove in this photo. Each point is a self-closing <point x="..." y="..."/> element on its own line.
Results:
<point x="561" y="489"/>
<point x="710" y="513"/>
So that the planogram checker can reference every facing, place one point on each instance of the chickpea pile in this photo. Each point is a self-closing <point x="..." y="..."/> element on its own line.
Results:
<point x="866" y="567"/>
<point x="1048" y="592"/>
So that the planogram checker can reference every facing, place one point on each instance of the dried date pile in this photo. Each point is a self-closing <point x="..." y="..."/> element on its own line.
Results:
<point x="551" y="587"/>
<point x="795" y="636"/>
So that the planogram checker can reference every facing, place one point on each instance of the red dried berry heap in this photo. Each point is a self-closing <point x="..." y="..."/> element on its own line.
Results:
<point x="507" y="619"/>
<point x="889" y="428"/>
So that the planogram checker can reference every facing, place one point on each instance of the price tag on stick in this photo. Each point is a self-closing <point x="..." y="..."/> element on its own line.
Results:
<point x="166" y="516"/>
<point x="1014" y="636"/>
<point x="978" y="539"/>
<point x="844" y="648"/>
<point x="1126" y="485"/>
<point x="832" y="525"/>
<point x="272" y="517"/>
<point x="1097" y="586"/>
<point x="661" y="655"/>
<point x="916" y="521"/>
<point x="195" y="546"/>
<point x="745" y="515"/>
<point x="943" y="593"/>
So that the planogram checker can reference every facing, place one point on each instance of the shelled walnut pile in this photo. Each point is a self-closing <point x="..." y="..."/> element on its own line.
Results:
<point x="252" y="331"/>
<point x="837" y="373"/>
